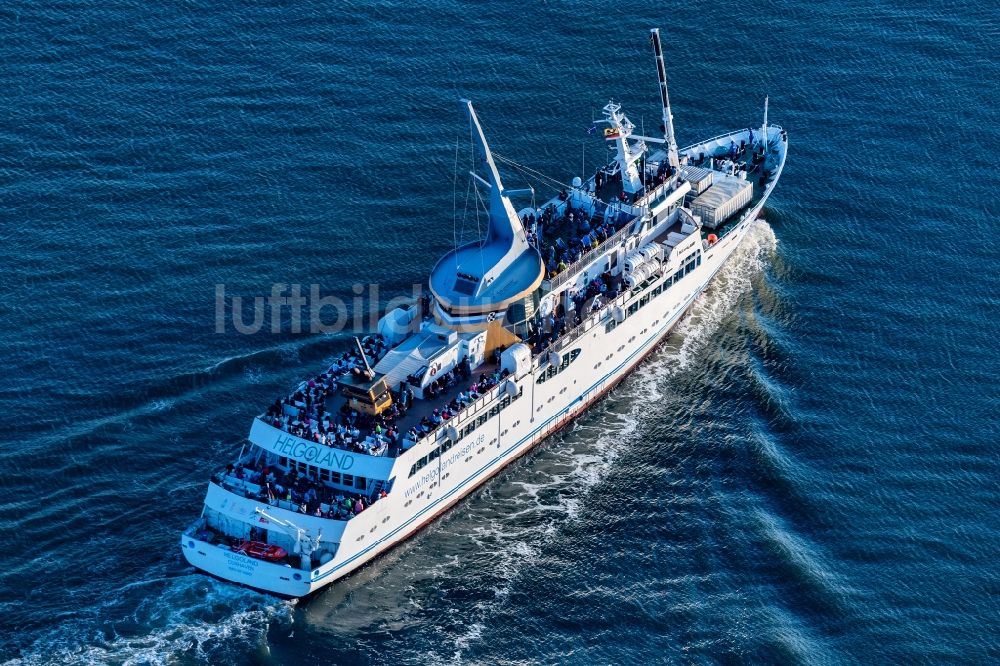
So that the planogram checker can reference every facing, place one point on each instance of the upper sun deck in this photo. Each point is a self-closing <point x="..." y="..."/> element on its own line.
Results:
<point x="296" y="436"/>
<point x="461" y="280"/>
<point x="607" y="220"/>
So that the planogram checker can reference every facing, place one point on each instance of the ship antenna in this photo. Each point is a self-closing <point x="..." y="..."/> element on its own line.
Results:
<point x="668" y="118"/>
<point x="763" y="131"/>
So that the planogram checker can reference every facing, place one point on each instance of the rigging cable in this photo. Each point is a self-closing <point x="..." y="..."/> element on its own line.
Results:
<point x="485" y="205"/>
<point x="537" y="174"/>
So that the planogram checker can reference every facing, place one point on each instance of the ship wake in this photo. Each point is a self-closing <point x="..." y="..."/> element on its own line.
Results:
<point x="189" y="618"/>
<point x="516" y="521"/>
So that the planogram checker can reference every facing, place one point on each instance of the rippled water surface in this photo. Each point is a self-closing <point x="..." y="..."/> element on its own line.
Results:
<point x="805" y="472"/>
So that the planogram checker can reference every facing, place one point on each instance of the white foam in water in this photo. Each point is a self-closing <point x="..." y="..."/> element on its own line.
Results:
<point x="593" y="445"/>
<point x="192" y="614"/>
<point x="253" y="374"/>
<point x="730" y="285"/>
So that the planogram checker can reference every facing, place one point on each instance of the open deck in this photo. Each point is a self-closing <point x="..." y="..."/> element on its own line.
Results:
<point x="391" y="433"/>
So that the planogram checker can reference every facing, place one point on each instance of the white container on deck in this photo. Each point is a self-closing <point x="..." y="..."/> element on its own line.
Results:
<point x="726" y="196"/>
<point x="516" y="359"/>
<point x="634" y="262"/>
<point x="700" y="178"/>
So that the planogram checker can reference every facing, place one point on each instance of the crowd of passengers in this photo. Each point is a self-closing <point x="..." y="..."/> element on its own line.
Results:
<point x="563" y="238"/>
<point x="651" y="180"/>
<point x="444" y="383"/>
<point x="307" y="493"/>
<point x="305" y="414"/>
<point x="544" y="330"/>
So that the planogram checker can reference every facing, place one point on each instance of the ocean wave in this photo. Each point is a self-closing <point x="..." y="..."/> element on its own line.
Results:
<point x="192" y="618"/>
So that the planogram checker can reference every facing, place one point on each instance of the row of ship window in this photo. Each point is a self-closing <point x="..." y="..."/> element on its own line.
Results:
<point x="554" y="370"/>
<point x="349" y="480"/>
<point x="688" y="266"/>
<point x="501" y="405"/>
<point x="433" y="455"/>
<point x="467" y="429"/>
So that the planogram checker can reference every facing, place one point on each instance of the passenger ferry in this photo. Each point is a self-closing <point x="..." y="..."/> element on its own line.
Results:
<point x="522" y="330"/>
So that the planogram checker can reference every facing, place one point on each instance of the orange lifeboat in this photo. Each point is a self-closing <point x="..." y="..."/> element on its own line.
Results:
<point x="261" y="551"/>
<point x="712" y="239"/>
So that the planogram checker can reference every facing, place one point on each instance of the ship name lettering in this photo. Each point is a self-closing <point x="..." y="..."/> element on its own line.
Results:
<point x="240" y="563"/>
<point x="321" y="456"/>
<point x="464" y="451"/>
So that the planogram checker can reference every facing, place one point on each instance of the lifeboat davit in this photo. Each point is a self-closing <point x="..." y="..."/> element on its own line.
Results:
<point x="260" y="550"/>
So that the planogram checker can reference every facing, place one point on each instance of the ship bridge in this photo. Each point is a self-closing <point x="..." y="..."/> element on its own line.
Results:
<point x="474" y="285"/>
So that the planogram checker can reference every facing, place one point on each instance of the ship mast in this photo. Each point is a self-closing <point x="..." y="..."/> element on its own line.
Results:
<point x="619" y="130"/>
<point x="668" y="117"/>
<point x="763" y="131"/>
<point x="505" y="225"/>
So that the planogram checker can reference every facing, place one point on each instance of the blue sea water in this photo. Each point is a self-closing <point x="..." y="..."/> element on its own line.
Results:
<point x="805" y="473"/>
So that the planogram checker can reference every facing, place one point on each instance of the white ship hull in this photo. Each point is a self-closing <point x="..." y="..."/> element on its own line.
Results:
<point x="605" y="356"/>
